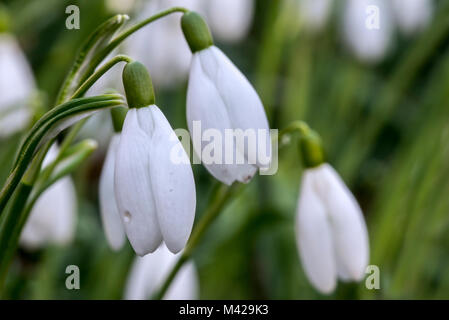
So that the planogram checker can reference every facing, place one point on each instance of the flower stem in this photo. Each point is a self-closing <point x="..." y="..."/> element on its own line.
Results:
<point x="222" y="194"/>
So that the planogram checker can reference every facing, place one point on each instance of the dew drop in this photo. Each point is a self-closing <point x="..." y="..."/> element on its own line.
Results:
<point x="127" y="216"/>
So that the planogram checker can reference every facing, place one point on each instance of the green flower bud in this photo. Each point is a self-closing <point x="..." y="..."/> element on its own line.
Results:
<point x="311" y="148"/>
<point x="196" y="31"/>
<point x="118" y="116"/>
<point x="138" y="85"/>
<point x="5" y="21"/>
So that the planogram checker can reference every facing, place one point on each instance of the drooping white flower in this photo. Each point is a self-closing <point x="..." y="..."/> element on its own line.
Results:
<point x="53" y="218"/>
<point x="367" y="28"/>
<point x="412" y="15"/>
<point x="314" y="13"/>
<point x="154" y="185"/>
<point x="112" y="223"/>
<point x="16" y="86"/>
<point x="160" y="46"/>
<point x="229" y="20"/>
<point x="225" y="116"/>
<point x="332" y="236"/>
<point x="148" y="273"/>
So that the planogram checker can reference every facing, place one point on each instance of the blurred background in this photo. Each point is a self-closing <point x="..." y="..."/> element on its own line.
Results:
<point x="378" y="96"/>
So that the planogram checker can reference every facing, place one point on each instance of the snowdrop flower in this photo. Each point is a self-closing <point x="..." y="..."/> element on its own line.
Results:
<point x="148" y="273"/>
<point x="16" y="86"/>
<point x="314" y="13"/>
<point x="331" y="232"/>
<point x="154" y="185"/>
<point x="229" y="20"/>
<point x="160" y="46"/>
<point x="367" y="28"/>
<point x="53" y="217"/>
<point x="220" y="98"/>
<point x="412" y="15"/>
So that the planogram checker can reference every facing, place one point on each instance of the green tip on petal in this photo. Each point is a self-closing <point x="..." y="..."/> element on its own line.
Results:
<point x="138" y="85"/>
<point x="311" y="149"/>
<point x="196" y="31"/>
<point x="118" y="116"/>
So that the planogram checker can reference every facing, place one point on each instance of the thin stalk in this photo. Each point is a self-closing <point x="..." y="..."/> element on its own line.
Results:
<point x="221" y="196"/>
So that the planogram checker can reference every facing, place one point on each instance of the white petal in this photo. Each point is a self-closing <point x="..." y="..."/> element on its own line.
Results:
<point x="132" y="185"/>
<point x="149" y="272"/>
<point x="348" y="224"/>
<point x="412" y="15"/>
<point x="112" y="223"/>
<point x="53" y="217"/>
<point x="368" y="44"/>
<point x="204" y="104"/>
<point x="315" y="13"/>
<point x="172" y="182"/>
<point x="230" y="20"/>
<point x="13" y="121"/>
<point x="314" y="238"/>
<point x="244" y="107"/>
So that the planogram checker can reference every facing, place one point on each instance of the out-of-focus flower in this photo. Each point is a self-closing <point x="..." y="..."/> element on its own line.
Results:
<point x="367" y="27"/>
<point x="160" y="46"/>
<point x="112" y="223"/>
<point x="331" y="232"/>
<point x="229" y="20"/>
<point x="220" y="98"/>
<point x="148" y="273"/>
<point x="154" y="185"/>
<point x="120" y="6"/>
<point x="16" y="86"/>
<point x="53" y="218"/>
<point x="412" y="15"/>
<point x="314" y="13"/>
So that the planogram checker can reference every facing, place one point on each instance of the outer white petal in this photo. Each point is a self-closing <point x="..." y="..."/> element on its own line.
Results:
<point x="133" y="190"/>
<point x="368" y="44"/>
<point x="110" y="216"/>
<point x="148" y="273"/>
<point x="412" y="15"/>
<point x="314" y="238"/>
<point x="230" y="20"/>
<point x="348" y="224"/>
<point x="172" y="182"/>
<point x="16" y="86"/>
<point x="53" y="217"/>
<point x="244" y="107"/>
<point x="204" y="104"/>
<point x="315" y="13"/>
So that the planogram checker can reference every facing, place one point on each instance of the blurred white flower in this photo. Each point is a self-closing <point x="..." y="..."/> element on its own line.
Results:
<point x="112" y="223"/>
<point x="368" y="27"/>
<point x="155" y="194"/>
<point x="229" y="20"/>
<point x="120" y="6"/>
<point x="148" y="273"/>
<point x="315" y="13"/>
<point x="219" y="97"/>
<point x="160" y="46"/>
<point x="412" y="15"/>
<point x="53" y="218"/>
<point x="331" y="232"/>
<point x="16" y="86"/>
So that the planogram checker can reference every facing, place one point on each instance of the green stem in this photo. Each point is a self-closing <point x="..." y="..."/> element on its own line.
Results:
<point x="222" y="194"/>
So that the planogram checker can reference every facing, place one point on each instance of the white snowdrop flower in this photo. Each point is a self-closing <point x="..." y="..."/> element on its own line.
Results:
<point x="229" y="20"/>
<point x="154" y="185"/>
<point x="367" y="27"/>
<point x="16" y="86"/>
<point x="112" y="223"/>
<point x="412" y="15"/>
<point x="160" y="46"/>
<point x="220" y="99"/>
<point x="53" y="218"/>
<point x="148" y="273"/>
<point x="315" y="13"/>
